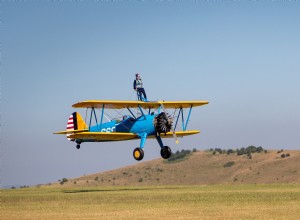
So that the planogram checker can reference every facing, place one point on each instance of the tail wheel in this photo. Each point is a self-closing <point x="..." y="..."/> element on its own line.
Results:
<point x="78" y="146"/>
<point x="138" y="154"/>
<point x="165" y="152"/>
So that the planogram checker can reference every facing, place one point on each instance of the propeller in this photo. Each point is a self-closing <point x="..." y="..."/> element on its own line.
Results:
<point x="172" y="128"/>
<point x="163" y="123"/>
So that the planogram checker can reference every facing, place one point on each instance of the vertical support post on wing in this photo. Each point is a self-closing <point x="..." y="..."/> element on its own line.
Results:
<point x="95" y="117"/>
<point x="159" y="108"/>
<point x="182" y="120"/>
<point x="91" y="118"/>
<point x="177" y="118"/>
<point x="188" y="118"/>
<point x="101" y="120"/>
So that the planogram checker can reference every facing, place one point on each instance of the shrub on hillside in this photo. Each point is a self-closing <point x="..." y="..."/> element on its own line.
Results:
<point x="239" y="151"/>
<point x="179" y="155"/>
<point x="219" y="150"/>
<point x="249" y="150"/>
<point x="230" y="151"/>
<point x="229" y="164"/>
<point x="284" y="155"/>
<point x="64" y="180"/>
<point x="259" y="149"/>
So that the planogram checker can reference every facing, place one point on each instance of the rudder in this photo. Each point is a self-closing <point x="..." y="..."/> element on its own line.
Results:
<point x="75" y="122"/>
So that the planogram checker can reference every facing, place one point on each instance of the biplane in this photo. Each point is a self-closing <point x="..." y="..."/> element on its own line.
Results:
<point x="143" y="120"/>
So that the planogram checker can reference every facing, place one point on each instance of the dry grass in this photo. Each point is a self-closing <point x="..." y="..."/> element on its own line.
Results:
<point x="201" y="168"/>
<point x="279" y="201"/>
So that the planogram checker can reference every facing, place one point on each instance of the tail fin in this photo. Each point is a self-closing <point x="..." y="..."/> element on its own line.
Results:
<point x="75" y="122"/>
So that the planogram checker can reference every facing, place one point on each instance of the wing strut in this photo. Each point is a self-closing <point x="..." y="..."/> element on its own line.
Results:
<point x="102" y="113"/>
<point x="188" y="118"/>
<point x="184" y="123"/>
<point x="142" y="112"/>
<point x="131" y="113"/>
<point x="93" y="112"/>
<point x="177" y="118"/>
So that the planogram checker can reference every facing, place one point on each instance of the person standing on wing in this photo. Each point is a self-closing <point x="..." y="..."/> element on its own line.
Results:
<point x="138" y="86"/>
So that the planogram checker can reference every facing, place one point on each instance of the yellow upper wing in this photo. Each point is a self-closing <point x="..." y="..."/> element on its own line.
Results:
<point x="114" y="104"/>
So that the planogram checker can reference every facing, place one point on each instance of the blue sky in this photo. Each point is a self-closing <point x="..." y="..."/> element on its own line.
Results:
<point x="243" y="57"/>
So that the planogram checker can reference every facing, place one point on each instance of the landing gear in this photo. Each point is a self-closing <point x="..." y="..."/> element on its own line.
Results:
<point x="165" y="152"/>
<point x="78" y="146"/>
<point x="138" y="154"/>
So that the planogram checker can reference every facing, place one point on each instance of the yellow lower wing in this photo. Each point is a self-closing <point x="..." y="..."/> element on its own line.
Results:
<point x="179" y="133"/>
<point x="104" y="136"/>
<point x="118" y="136"/>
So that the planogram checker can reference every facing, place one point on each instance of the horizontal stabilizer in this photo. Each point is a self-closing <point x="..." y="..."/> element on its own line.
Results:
<point x="70" y="131"/>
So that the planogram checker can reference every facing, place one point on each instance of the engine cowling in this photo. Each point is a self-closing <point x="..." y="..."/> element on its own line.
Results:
<point x="162" y="123"/>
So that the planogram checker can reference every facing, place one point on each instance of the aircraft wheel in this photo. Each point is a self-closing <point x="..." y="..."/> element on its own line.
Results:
<point x="138" y="154"/>
<point x="165" y="152"/>
<point x="78" y="146"/>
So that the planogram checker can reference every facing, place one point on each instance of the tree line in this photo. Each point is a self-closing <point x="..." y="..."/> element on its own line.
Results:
<point x="240" y="151"/>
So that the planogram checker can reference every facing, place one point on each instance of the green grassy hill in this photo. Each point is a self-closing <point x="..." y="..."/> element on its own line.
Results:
<point x="203" y="168"/>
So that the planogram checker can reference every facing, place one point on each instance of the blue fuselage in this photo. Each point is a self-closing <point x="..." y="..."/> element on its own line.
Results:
<point x="142" y="124"/>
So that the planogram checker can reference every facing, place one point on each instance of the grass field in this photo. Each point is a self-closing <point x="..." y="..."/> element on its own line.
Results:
<point x="280" y="201"/>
